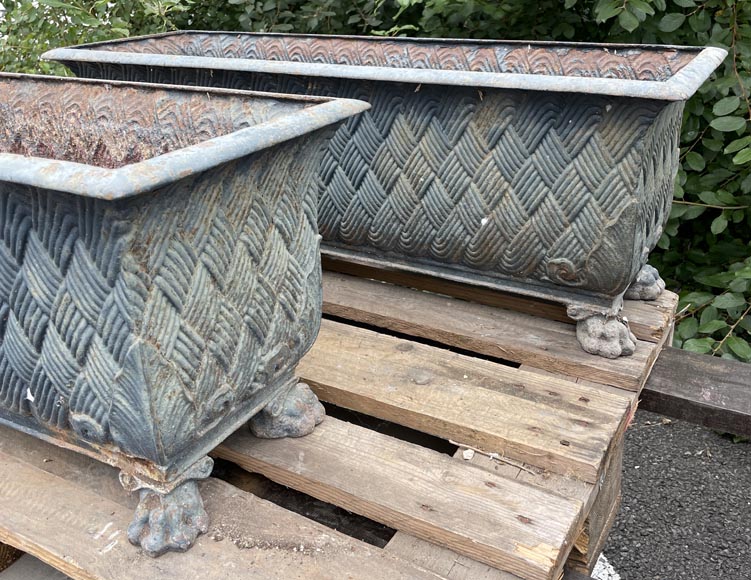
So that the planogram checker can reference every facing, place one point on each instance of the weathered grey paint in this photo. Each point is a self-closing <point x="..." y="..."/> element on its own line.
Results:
<point x="541" y="168"/>
<point x="159" y="272"/>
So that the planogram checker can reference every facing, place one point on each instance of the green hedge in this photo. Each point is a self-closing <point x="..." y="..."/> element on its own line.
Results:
<point x="705" y="253"/>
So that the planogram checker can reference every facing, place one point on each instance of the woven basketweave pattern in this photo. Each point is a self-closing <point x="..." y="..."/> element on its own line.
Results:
<point x="143" y="323"/>
<point x="544" y="187"/>
<point x="499" y="57"/>
<point x="515" y="184"/>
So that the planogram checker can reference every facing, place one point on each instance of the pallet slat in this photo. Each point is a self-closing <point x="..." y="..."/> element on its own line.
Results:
<point x="706" y="390"/>
<point x="78" y="526"/>
<point x="457" y="567"/>
<point x="443" y="561"/>
<point x="495" y="332"/>
<point x="494" y="520"/>
<point x="551" y="423"/>
<point x="648" y="320"/>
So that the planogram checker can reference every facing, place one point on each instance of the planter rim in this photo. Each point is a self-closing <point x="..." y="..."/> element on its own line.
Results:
<point x="145" y="176"/>
<point x="679" y="87"/>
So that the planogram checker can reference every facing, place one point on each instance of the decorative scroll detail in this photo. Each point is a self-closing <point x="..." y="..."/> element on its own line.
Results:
<point x="143" y="323"/>
<point x="499" y="57"/>
<point x="564" y="272"/>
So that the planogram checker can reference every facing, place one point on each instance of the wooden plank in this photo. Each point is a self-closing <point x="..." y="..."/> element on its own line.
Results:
<point x="576" y="575"/>
<point x="494" y="332"/>
<point x="443" y="561"/>
<point x="78" y="525"/>
<point x="652" y="320"/>
<point x="548" y="422"/>
<point x="585" y="563"/>
<point x="705" y="390"/>
<point x="603" y="512"/>
<point x="648" y="320"/>
<point x="491" y="519"/>
<point x="599" y="520"/>
<point x="457" y="567"/>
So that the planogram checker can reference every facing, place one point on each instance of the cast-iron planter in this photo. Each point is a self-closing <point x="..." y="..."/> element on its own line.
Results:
<point x="159" y="276"/>
<point x="544" y="169"/>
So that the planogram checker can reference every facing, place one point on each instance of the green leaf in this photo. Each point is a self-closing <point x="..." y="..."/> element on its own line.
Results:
<point x="628" y="21"/>
<point x="729" y="300"/>
<point x="696" y="299"/>
<point x="708" y="314"/>
<point x="743" y="156"/>
<point x="607" y="9"/>
<point x="684" y="3"/>
<point x="719" y="224"/>
<point x="745" y="323"/>
<point x="700" y="22"/>
<point x="720" y="280"/>
<point x="687" y="329"/>
<point x="738" y="285"/>
<point x="569" y="4"/>
<point x="738" y="144"/>
<point x="739" y="347"/>
<point x="725" y="197"/>
<point x="640" y="6"/>
<point x="726" y="124"/>
<point x="700" y="345"/>
<point x="726" y="106"/>
<point x="746" y="184"/>
<point x="712" y="144"/>
<point x="710" y="198"/>
<point x="712" y="326"/>
<point x="743" y="273"/>
<point x="57" y="4"/>
<point x="671" y="22"/>
<point x="695" y="161"/>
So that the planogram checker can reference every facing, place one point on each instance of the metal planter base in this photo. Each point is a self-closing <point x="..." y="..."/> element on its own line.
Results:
<point x="170" y="518"/>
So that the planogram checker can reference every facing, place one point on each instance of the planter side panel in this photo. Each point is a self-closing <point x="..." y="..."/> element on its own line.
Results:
<point x="232" y="290"/>
<point x="67" y="309"/>
<point x="143" y="326"/>
<point x="657" y="180"/>
<point x="538" y="187"/>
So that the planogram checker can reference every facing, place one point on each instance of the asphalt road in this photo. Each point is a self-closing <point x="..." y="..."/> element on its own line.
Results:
<point x="686" y="510"/>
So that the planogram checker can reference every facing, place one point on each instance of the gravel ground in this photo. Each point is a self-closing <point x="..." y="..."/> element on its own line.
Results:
<point x="686" y="510"/>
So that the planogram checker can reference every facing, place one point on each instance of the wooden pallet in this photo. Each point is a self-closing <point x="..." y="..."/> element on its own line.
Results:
<point x="544" y="419"/>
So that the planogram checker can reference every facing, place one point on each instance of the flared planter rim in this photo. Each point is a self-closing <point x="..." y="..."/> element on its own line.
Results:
<point x="679" y="87"/>
<point x="144" y="176"/>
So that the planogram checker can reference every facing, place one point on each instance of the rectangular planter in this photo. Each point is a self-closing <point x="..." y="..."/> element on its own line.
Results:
<point x="544" y="169"/>
<point x="159" y="268"/>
